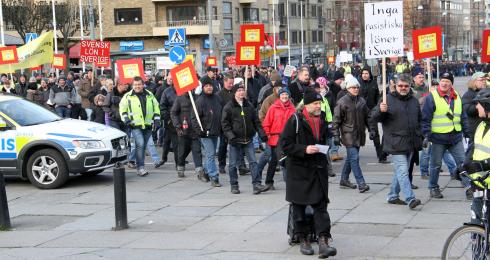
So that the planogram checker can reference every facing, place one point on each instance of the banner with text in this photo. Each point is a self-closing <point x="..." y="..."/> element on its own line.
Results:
<point x="95" y="51"/>
<point x="383" y="28"/>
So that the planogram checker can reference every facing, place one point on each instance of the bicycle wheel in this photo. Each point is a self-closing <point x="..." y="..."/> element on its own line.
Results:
<point x="466" y="242"/>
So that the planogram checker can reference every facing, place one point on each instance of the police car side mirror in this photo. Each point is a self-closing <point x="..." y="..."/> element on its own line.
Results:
<point x="3" y="124"/>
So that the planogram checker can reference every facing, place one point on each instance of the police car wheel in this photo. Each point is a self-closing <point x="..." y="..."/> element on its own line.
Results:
<point x="46" y="169"/>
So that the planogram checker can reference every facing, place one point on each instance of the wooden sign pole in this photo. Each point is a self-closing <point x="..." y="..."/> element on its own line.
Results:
<point x="384" y="78"/>
<point x="195" y="110"/>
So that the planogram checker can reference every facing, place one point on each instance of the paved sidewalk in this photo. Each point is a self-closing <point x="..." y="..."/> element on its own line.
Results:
<point x="184" y="218"/>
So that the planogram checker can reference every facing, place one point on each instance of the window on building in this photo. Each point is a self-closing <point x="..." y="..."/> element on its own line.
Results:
<point x="264" y="13"/>
<point x="314" y="36"/>
<point x="329" y="39"/>
<point x="250" y="14"/>
<point x="281" y="11"/>
<point x="294" y="37"/>
<point x="229" y="38"/>
<point x="227" y="8"/>
<point x="282" y="35"/>
<point x="227" y="24"/>
<point x="215" y="12"/>
<point x="293" y="10"/>
<point x="328" y="14"/>
<point x="185" y="13"/>
<point x="128" y="16"/>
<point x="237" y="12"/>
<point x="304" y="37"/>
<point x="320" y="36"/>
<point x="304" y="10"/>
<point x="313" y="10"/>
<point x="320" y="12"/>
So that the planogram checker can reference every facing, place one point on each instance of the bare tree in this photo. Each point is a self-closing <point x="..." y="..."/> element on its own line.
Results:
<point x="27" y="16"/>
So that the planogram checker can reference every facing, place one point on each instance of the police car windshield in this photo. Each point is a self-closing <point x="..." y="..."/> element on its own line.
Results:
<point x="26" y="113"/>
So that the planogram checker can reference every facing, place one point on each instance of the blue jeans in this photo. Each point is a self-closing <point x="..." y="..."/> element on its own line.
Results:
<point x="63" y="111"/>
<point x="352" y="163"/>
<point x="425" y="158"/>
<point x="456" y="150"/>
<point x="150" y="147"/>
<point x="141" y="138"/>
<point x="234" y="159"/>
<point x="256" y="141"/>
<point x="400" y="179"/>
<point x="89" y="113"/>
<point x="264" y="158"/>
<point x="333" y="150"/>
<point x="209" y="146"/>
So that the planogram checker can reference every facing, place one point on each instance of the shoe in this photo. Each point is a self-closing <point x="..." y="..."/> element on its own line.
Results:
<point x="424" y="177"/>
<point x="215" y="183"/>
<point x="363" y="188"/>
<point x="331" y="174"/>
<point x="270" y="186"/>
<point x="347" y="184"/>
<point x="158" y="164"/>
<point x="324" y="249"/>
<point x="305" y="246"/>
<point x="243" y="171"/>
<point x="414" y="187"/>
<point x="131" y="165"/>
<point x="222" y="170"/>
<point x="180" y="171"/>
<point x="414" y="203"/>
<point x="397" y="201"/>
<point x="469" y="194"/>
<point x="436" y="193"/>
<point x="201" y="175"/>
<point x="234" y="189"/>
<point x="259" y="188"/>
<point x="383" y="161"/>
<point x="142" y="172"/>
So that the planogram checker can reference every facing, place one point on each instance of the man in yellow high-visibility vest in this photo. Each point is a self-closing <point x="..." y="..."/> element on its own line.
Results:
<point x="443" y="124"/>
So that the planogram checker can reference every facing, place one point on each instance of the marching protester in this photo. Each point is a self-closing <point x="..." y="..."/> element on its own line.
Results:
<point x="307" y="178"/>
<point x="400" y="117"/>
<point x="170" y="134"/>
<point x="475" y="85"/>
<point x="443" y="124"/>
<point x="298" y="86"/>
<point x="140" y="112"/>
<point x="349" y="128"/>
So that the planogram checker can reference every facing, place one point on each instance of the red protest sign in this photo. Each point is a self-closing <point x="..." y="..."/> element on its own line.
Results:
<point x="8" y="55"/>
<point x="130" y="68"/>
<point x="184" y="77"/>
<point x="247" y="53"/>
<point x="106" y="64"/>
<point x="211" y="61"/>
<point x="331" y="59"/>
<point x="252" y="33"/>
<point x="59" y="61"/>
<point x="427" y="42"/>
<point x="485" y="51"/>
<point x="95" y="51"/>
<point x="230" y="60"/>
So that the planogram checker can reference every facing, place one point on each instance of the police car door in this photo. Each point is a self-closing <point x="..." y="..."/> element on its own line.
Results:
<point x="8" y="153"/>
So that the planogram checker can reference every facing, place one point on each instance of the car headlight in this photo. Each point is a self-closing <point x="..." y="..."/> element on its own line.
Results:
<point x="90" y="144"/>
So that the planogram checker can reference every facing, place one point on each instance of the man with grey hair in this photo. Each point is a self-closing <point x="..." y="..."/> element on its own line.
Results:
<point x="400" y="117"/>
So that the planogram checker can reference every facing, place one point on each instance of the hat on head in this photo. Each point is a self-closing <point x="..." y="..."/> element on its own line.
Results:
<point x="351" y="81"/>
<point x="477" y="75"/>
<point x="448" y="75"/>
<point x="311" y="96"/>
<point x="284" y="90"/>
<point x="237" y="81"/>
<point x="210" y="69"/>
<point x="417" y="71"/>
<point x="206" y="80"/>
<point x="321" y="81"/>
<point x="338" y="75"/>
<point x="236" y="87"/>
<point x="276" y="77"/>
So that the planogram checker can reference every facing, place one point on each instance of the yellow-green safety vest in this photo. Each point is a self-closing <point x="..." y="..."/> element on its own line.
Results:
<point x="482" y="143"/>
<point x="441" y="124"/>
<point x="130" y="108"/>
<point x="347" y="70"/>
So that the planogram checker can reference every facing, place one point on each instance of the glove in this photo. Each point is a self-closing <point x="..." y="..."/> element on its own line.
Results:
<point x="180" y="132"/>
<point x="372" y="135"/>
<point x="203" y="133"/>
<point x="425" y="143"/>
<point x="336" y="141"/>
<point x="156" y="125"/>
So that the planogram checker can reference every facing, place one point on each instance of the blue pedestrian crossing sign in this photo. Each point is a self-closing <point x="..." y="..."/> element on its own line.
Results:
<point x="30" y="37"/>
<point x="176" y="36"/>
<point x="177" y="54"/>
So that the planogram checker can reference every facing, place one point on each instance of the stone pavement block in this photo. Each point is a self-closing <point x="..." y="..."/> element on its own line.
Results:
<point x="154" y="254"/>
<point x="28" y="238"/>
<point x="177" y="240"/>
<point x="380" y="212"/>
<point x="95" y="239"/>
<point x="104" y="220"/>
<point x="454" y="194"/>
<point x="188" y="211"/>
<point x="336" y="214"/>
<point x="257" y="208"/>
<point x="275" y="223"/>
<point x="383" y="230"/>
<point x="259" y="256"/>
<point x="38" y="222"/>
<point x="226" y="224"/>
<point x="449" y="207"/>
<point x="416" y="243"/>
<point x="39" y="253"/>
<point x="435" y="220"/>
<point x="196" y="202"/>
<point x="146" y="206"/>
<point x="163" y="223"/>
<point x="356" y="245"/>
<point x="63" y="209"/>
<point x="104" y="197"/>
<point x="253" y="242"/>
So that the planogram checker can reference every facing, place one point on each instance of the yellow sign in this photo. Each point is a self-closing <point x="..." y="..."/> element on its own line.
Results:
<point x="8" y="55"/>
<point x="427" y="42"/>
<point x="184" y="77"/>
<point x="131" y="70"/>
<point x="248" y="52"/>
<point x="33" y="54"/>
<point x="189" y="57"/>
<point x="252" y="35"/>
<point x="58" y="61"/>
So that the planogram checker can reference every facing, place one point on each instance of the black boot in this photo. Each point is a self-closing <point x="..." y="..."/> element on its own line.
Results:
<point x="324" y="249"/>
<point x="305" y="246"/>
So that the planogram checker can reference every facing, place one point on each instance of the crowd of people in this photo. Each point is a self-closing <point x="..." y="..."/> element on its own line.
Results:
<point x="289" y="121"/>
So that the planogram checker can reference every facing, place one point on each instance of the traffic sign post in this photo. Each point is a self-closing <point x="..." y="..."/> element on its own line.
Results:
<point x="30" y="37"/>
<point x="176" y="36"/>
<point x="177" y="54"/>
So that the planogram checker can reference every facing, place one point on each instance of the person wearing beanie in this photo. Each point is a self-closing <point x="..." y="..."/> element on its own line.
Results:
<point x="419" y="88"/>
<point x="306" y="181"/>
<point x="267" y="90"/>
<point x="444" y="124"/>
<point x="211" y="77"/>
<point x="350" y="80"/>
<point x="349" y="128"/>
<point x="298" y="86"/>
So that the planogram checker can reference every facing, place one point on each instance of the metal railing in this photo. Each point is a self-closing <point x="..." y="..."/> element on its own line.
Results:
<point x="180" y="23"/>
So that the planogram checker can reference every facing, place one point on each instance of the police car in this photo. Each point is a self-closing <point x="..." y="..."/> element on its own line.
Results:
<point x="38" y="145"/>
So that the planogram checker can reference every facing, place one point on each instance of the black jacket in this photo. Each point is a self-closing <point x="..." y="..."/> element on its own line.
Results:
<point x="181" y="110"/>
<point x="209" y="111"/>
<point x="166" y="102"/>
<point x="307" y="178"/>
<point x="253" y="89"/>
<point x="297" y="90"/>
<point x="225" y="96"/>
<point x="239" y="123"/>
<point x="402" y="132"/>
<point x="369" y="91"/>
<point x="335" y="89"/>
<point x="470" y="107"/>
<point x="350" y="120"/>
